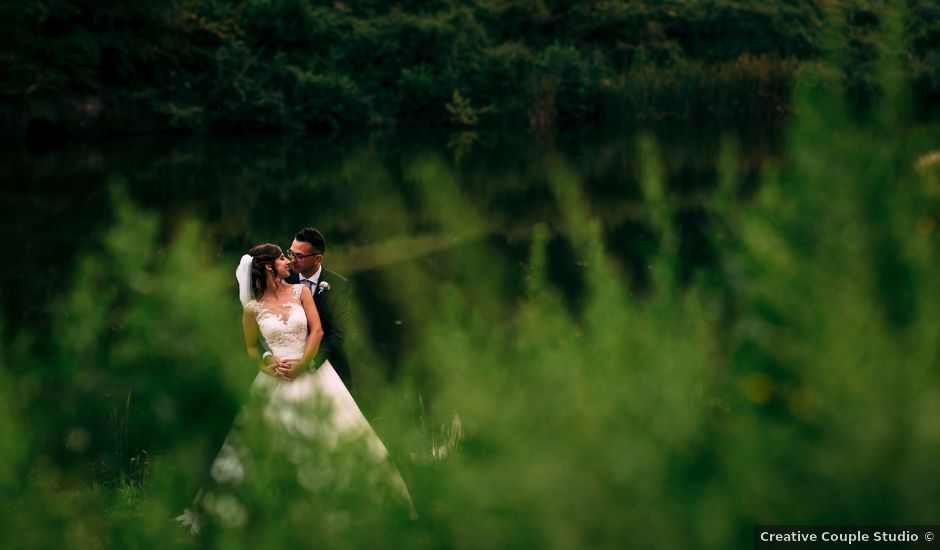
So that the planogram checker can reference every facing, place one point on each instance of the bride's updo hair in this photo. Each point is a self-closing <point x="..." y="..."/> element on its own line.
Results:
<point x="262" y="255"/>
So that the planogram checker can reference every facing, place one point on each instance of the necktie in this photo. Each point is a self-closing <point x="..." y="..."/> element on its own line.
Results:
<point x="308" y="283"/>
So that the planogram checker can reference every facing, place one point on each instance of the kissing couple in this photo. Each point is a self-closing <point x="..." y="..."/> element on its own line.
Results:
<point x="300" y="396"/>
<point x="330" y="293"/>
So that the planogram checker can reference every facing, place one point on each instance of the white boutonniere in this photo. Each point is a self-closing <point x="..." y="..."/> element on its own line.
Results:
<point x="323" y="286"/>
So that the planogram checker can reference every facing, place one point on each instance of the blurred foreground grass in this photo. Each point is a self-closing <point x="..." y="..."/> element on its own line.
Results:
<point x="797" y="383"/>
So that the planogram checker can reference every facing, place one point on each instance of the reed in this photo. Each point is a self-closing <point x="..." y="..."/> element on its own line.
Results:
<point x="798" y="384"/>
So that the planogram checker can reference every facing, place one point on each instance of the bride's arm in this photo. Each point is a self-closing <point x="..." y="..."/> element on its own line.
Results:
<point x="250" y="329"/>
<point x="314" y="330"/>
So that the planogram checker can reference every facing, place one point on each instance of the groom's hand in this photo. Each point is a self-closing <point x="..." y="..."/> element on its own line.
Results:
<point x="276" y="367"/>
<point x="294" y="368"/>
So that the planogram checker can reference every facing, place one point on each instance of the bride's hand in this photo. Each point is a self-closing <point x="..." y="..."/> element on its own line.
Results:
<point x="293" y="368"/>
<point x="282" y="368"/>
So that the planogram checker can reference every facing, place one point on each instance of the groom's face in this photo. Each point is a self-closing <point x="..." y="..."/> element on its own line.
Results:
<point x="304" y="260"/>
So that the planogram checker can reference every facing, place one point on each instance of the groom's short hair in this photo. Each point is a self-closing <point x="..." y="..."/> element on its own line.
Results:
<point x="312" y="236"/>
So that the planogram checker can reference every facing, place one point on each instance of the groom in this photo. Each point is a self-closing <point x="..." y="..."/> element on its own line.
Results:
<point x="330" y="294"/>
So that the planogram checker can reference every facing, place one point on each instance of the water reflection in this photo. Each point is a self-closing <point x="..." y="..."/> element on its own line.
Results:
<point x="383" y="199"/>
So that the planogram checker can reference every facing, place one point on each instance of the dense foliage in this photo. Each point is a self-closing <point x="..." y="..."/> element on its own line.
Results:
<point x="188" y="65"/>
<point x="799" y="383"/>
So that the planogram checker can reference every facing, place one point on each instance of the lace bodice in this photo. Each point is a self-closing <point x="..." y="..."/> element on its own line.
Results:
<point x="284" y="327"/>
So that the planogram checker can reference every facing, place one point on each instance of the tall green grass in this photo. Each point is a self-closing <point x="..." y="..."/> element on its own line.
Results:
<point x="796" y="383"/>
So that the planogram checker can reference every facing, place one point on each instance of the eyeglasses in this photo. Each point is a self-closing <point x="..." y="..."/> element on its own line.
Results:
<point x="291" y="255"/>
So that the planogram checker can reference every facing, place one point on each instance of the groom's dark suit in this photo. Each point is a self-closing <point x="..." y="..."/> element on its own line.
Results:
<point x="332" y="302"/>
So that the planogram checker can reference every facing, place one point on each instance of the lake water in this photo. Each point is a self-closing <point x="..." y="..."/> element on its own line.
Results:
<point x="383" y="199"/>
<point x="778" y="353"/>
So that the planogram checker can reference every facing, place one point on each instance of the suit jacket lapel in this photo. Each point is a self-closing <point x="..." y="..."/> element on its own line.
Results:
<point x="318" y="291"/>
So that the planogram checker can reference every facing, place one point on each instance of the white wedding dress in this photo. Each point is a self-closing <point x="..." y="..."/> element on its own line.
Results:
<point x="313" y="408"/>
<point x="287" y="338"/>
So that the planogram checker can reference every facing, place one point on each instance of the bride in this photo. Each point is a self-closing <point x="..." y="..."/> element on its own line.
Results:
<point x="299" y="409"/>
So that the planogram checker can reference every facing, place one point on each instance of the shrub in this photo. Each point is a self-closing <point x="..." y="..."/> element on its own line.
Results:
<point x="330" y="101"/>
